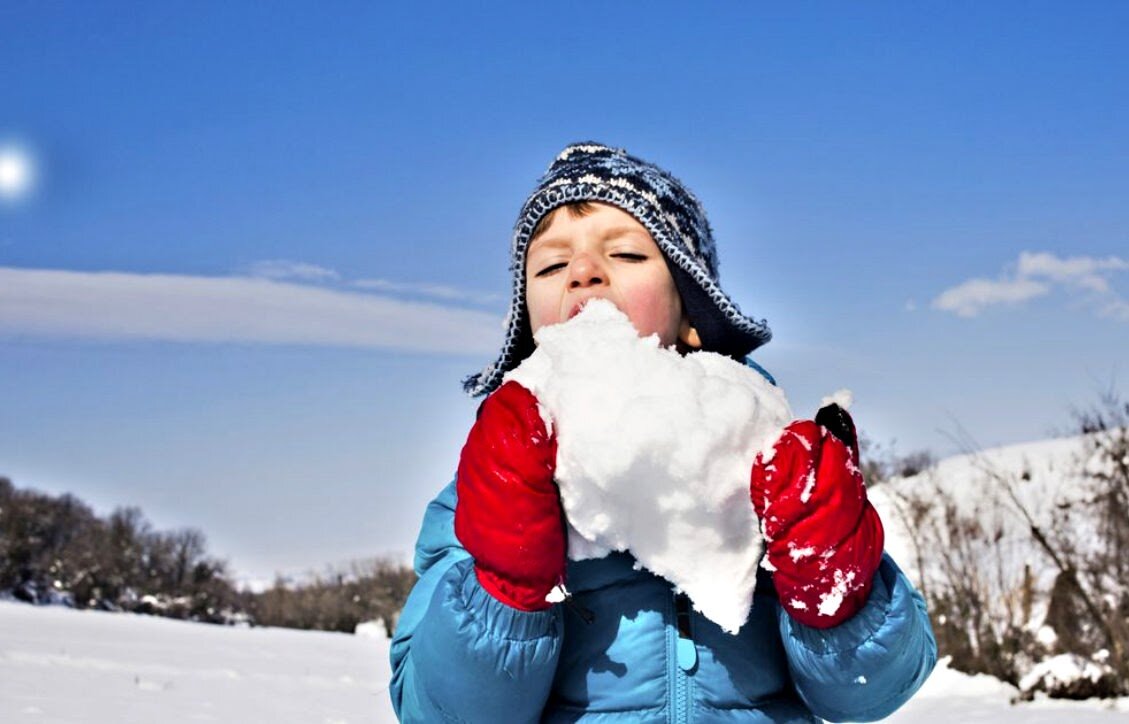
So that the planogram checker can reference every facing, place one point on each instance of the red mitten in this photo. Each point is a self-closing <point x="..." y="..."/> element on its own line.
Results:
<point x="823" y="538"/>
<point x="509" y="513"/>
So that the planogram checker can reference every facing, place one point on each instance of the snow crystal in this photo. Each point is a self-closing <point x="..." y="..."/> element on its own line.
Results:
<point x="654" y="451"/>
<point x="843" y="398"/>
<point x="799" y="554"/>
<point x="809" y="486"/>
<point x="830" y="602"/>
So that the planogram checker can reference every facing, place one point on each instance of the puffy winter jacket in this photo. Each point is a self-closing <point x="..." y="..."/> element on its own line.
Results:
<point x="628" y="649"/>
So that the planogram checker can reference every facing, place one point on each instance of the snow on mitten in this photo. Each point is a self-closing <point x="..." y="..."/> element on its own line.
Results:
<point x="508" y="514"/>
<point x="823" y="538"/>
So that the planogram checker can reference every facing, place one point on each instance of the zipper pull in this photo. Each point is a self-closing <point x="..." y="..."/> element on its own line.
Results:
<point x="560" y="594"/>
<point x="687" y="655"/>
<point x="685" y="649"/>
<point x="585" y="614"/>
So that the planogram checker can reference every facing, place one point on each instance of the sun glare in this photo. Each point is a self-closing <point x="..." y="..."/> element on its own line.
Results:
<point x="17" y="172"/>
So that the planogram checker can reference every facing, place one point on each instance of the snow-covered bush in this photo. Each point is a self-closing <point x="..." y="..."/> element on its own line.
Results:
<point x="1069" y="676"/>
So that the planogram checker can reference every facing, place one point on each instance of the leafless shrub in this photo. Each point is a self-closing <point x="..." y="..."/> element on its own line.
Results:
<point x="1013" y="575"/>
<point x="337" y="600"/>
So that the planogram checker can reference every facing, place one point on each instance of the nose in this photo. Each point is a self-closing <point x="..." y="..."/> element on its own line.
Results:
<point x="585" y="271"/>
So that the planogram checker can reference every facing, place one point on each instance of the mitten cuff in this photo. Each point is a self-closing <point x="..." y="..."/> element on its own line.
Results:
<point x="521" y="597"/>
<point x="500" y="618"/>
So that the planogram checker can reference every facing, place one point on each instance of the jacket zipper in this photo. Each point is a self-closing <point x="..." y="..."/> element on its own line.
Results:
<point x="684" y="660"/>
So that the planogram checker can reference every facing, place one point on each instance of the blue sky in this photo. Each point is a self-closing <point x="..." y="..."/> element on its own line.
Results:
<point x="267" y="241"/>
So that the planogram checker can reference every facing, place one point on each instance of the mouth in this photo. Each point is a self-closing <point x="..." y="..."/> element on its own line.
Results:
<point x="579" y="307"/>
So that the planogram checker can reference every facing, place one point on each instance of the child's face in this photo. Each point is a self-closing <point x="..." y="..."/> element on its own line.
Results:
<point x="604" y="254"/>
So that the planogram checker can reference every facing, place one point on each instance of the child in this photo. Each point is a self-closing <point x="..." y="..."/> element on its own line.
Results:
<point x="841" y="635"/>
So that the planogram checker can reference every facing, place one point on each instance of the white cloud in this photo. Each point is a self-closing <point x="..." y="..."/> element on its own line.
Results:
<point x="969" y="298"/>
<point x="1036" y="274"/>
<point x="1082" y="271"/>
<point x="286" y="269"/>
<point x="1117" y="309"/>
<point x="282" y="269"/>
<point x="122" y="306"/>
<point x="435" y="291"/>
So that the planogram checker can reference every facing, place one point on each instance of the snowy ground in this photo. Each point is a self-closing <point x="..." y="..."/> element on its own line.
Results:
<point x="955" y="698"/>
<point x="59" y="665"/>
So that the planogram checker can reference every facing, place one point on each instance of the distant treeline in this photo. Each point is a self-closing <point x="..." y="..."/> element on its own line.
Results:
<point x="55" y="549"/>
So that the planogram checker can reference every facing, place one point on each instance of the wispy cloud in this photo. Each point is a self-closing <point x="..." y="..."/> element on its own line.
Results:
<point x="1037" y="274"/>
<point x="971" y="297"/>
<point x="434" y="291"/>
<point x="1117" y="309"/>
<point x="286" y="269"/>
<point x="1085" y="272"/>
<point x="122" y="306"/>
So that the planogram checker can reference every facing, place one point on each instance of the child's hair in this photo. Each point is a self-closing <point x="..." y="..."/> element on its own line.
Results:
<point x="592" y="172"/>
<point x="576" y="209"/>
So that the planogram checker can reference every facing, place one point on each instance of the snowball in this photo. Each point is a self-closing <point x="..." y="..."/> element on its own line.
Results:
<point x="654" y="451"/>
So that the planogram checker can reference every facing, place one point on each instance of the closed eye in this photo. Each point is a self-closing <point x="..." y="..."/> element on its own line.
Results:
<point x="630" y="257"/>
<point x="550" y="269"/>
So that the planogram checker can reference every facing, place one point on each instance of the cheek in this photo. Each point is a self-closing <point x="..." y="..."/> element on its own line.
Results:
<point x="542" y="311"/>
<point x="655" y="309"/>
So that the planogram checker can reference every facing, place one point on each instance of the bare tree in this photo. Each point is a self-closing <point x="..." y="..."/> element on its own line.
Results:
<point x="1016" y="554"/>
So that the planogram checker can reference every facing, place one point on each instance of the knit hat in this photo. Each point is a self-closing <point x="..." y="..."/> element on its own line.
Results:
<point x="676" y="221"/>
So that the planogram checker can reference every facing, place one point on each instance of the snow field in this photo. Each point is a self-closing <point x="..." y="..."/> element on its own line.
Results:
<point x="950" y="697"/>
<point x="90" y="667"/>
<point x="60" y="665"/>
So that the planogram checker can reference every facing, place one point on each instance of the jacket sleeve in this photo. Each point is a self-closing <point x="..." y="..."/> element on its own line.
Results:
<point x="458" y="654"/>
<point x="872" y="663"/>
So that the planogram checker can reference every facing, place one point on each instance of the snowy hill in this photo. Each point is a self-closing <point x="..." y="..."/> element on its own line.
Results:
<point x="1039" y="473"/>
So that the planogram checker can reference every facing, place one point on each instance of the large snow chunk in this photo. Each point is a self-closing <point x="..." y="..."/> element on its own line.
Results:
<point x="654" y="453"/>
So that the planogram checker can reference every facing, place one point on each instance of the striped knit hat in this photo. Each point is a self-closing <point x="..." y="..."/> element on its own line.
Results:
<point x="675" y="220"/>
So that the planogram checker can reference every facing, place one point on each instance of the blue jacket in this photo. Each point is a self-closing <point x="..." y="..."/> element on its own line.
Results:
<point x="459" y="655"/>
